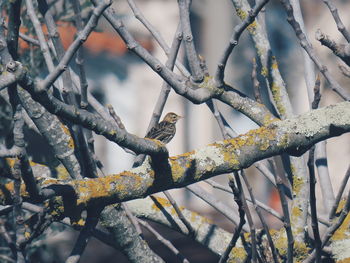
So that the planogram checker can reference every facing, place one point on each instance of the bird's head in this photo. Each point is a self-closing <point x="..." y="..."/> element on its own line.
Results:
<point x="171" y="117"/>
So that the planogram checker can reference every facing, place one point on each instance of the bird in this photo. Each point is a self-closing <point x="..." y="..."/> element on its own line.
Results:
<point x="165" y="130"/>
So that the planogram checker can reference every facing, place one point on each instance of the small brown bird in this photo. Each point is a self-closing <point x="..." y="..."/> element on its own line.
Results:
<point x="165" y="130"/>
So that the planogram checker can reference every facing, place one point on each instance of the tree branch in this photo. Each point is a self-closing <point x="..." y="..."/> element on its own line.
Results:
<point x="293" y="136"/>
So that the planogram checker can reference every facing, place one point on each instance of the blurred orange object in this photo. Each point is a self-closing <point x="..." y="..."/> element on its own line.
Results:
<point x="96" y="43"/>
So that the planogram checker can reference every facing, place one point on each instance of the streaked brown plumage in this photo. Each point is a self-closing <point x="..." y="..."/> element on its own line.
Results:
<point x="166" y="129"/>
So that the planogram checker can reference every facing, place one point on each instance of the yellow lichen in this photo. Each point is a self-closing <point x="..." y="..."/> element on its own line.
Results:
<point x="237" y="254"/>
<point x="300" y="251"/>
<point x="264" y="72"/>
<point x="79" y="223"/>
<point x="48" y="181"/>
<point x="193" y="216"/>
<point x="296" y="212"/>
<point x="66" y="131"/>
<point x="341" y="205"/>
<point x="292" y="168"/>
<point x="112" y="132"/>
<point x="206" y="220"/>
<point x="241" y="14"/>
<point x="207" y="83"/>
<point x="252" y="27"/>
<point x="26" y="235"/>
<point x="62" y="173"/>
<point x="55" y="207"/>
<point x="177" y="171"/>
<point x="268" y="119"/>
<point x="229" y="157"/>
<point x="343" y="231"/>
<point x="261" y="137"/>
<point x="163" y="202"/>
<point x="274" y="64"/>
<point x="276" y="93"/>
<point x="9" y="187"/>
<point x="345" y="260"/>
<point x="103" y="187"/>
<point x="11" y="162"/>
<point x="298" y="183"/>
<point x="280" y="240"/>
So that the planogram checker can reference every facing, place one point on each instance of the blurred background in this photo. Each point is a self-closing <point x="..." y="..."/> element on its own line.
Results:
<point x="118" y="77"/>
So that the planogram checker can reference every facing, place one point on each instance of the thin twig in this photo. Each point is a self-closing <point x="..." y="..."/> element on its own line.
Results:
<point x="345" y="71"/>
<point x="339" y="194"/>
<point x="81" y="149"/>
<point x="179" y="213"/>
<point x="164" y="93"/>
<point x="340" y="50"/>
<point x="238" y="30"/>
<point x="73" y="48"/>
<point x="115" y="117"/>
<point x="84" y="236"/>
<point x="164" y="241"/>
<point x="238" y="196"/>
<point x="311" y="166"/>
<point x="41" y="37"/>
<point x="331" y="230"/>
<point x="251" y="224"/>
<point x="8" y="239"/>
<point x="309" y="49"/>
<point x="215" y="203"/>
<point x="286" y="215"/>
<point x="321" y="160"/>
<point x="158" y="37"/>
<point x="14" y="22"/>
<point x="132" y="218"/>
<point x="309" y="67"/>
<point x="261" y="217"/>
<point x="26" y="169"/>
<point x="258" y="203"/>
<point x="17" y="209"/>
<point x="79" y="60"/>
<point x="191" y="53"/>
<point x="337" y="19"/>
<point x="313" y="208"/>
<point x="5" y="209"/>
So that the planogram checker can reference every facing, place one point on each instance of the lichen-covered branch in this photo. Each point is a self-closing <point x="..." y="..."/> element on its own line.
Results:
<point x="293" y="136"/>
<point x="129" y="242"/>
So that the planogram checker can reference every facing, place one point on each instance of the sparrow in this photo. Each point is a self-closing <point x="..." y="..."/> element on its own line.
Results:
<point x="166" y="129"/>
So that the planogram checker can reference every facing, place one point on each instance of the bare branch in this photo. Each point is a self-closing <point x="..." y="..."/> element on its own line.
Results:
<point x="164" y="241"/>
<point x="340" y="50"/>
<point x="73" y="48"/>
<point x="179" y="213"/>
<point x="238" y="199"/>
<point x="261" y="217"/>
<point x="216" y="204"/>
<point x="238" y="30"/>
<point x="294" y="136"/>
<point x="191" y="53"/>
<point x="332" y="8"/>
<point x="84" y="236"/>
<point x="308" y="48"/>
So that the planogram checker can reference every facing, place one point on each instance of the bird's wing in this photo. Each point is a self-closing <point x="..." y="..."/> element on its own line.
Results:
<point x="163" y="131"/>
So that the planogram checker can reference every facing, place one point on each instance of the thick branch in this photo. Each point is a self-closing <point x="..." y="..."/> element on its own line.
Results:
<point x="293" y="136"/>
